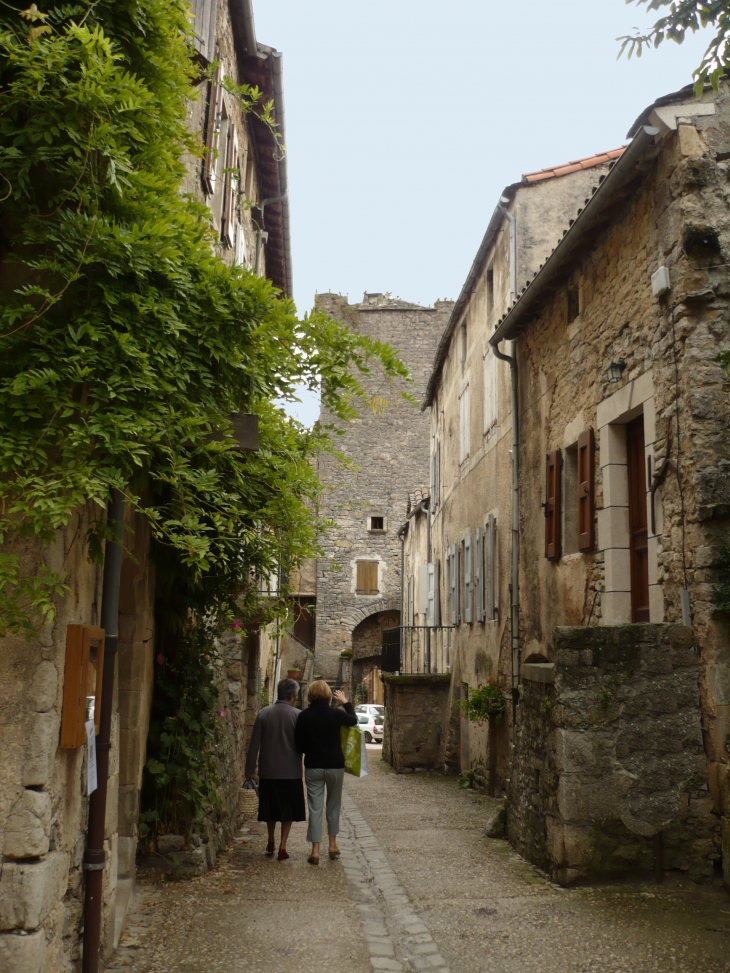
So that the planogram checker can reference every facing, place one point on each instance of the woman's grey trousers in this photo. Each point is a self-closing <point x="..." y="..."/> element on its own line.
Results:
<point x="316" y="781"/>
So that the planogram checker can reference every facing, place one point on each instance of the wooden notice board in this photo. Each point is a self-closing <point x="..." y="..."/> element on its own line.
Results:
<point x="82" y="678"/>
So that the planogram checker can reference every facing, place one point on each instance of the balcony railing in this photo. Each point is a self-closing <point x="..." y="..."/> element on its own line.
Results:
<point x="417" y="649"/>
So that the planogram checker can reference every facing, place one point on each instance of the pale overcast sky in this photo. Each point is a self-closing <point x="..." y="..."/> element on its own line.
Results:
<point x="405" y="119"/>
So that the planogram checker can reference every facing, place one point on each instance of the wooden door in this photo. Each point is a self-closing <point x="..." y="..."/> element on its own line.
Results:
<point x="638" y="533"/>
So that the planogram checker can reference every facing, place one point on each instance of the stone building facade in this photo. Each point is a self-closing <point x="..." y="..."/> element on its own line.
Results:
<point x="624" y="409"/>
<point x="465" y="533"/>
<point x="359" y="577"/>
<point x="43" y="801"/>
<point x="614" y="745"/>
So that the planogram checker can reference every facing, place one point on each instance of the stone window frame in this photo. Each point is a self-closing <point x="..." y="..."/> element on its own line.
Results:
<point x="376" y="530"/>
<point x="613" y="413"/>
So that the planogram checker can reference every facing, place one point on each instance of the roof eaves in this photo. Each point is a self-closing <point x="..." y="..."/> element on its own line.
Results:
<point x="466" y="291"/>
<point x="619" y="172"/>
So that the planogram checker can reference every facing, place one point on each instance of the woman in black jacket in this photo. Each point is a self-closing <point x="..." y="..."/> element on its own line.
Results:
<point x="317" y="736"/>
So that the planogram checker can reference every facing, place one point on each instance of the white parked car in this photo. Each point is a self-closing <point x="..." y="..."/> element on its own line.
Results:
<point x="372" y="727"/>
<point x="372" y="709"/>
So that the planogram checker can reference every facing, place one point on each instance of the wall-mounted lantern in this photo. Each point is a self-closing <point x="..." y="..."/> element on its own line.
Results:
<point x="615" y="370"/>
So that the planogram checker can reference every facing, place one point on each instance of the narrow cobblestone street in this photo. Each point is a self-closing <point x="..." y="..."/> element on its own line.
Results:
<point x="418" y="889"/>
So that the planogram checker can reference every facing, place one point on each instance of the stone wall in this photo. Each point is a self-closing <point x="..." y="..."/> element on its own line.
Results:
<point x="609" y="755"/>
<point x="389" y="454"/>
<point x="416" y="711"/>
<point x="43" y="802"/>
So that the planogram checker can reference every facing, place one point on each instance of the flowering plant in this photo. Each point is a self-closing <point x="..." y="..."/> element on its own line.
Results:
<point x="484" y="701"/>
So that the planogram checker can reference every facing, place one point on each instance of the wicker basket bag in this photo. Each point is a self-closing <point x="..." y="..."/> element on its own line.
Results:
<point x="248" y="801"/>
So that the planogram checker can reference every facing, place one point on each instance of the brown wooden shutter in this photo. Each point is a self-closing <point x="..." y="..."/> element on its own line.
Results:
<point x="366" y="582"/>
<point x="373" y="578"/>
<point x="212" y="129"/>
<point x="552" y="506"/>
<point x="586" y="491"/>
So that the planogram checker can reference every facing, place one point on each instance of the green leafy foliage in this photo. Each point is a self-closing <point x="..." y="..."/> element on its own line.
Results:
<point x="181" y="774"/>
<point x="685" y="16"/>
<point x="484" y="701"/>
<point x="125" y="341"/>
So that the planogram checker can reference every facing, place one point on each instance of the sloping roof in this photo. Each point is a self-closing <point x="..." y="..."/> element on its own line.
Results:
<point x="490" y="236"/>
<point x="622" y="173"/>
<point x="418" y="496"/>
<point x="575" y="166"/>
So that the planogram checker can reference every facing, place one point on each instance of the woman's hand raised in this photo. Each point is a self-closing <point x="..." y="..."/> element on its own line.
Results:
<point x="339" y="696"/>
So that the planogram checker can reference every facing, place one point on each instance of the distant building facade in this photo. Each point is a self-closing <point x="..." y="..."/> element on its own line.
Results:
<point x="359" y="577"/>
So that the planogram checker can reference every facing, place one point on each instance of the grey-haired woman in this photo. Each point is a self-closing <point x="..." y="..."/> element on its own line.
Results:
<point x="281" y="792"/>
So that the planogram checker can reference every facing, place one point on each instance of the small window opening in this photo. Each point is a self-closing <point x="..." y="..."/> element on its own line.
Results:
<point x="463" y="344"/>
<point x="573" y="302"/>
<point x="490" y="290"/>
<point x="377" y="523"/>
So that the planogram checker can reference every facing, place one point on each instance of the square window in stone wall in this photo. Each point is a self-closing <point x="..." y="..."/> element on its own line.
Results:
<point x="376" y="525"/>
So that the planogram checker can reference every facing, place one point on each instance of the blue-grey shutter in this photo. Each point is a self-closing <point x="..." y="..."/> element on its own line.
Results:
<point x="479" y="573"/>
<point x="468" y="582"/>
<point x="491" y="554"/>
<point x="453" y="585"/>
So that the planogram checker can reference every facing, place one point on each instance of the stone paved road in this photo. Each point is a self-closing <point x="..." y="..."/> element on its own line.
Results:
<point x="418" y="889"/>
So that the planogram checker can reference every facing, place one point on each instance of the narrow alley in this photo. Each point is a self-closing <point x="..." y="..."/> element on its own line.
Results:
<point x="418" y="889"/>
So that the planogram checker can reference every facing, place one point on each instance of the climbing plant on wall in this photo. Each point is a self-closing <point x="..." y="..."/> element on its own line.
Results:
<point x="124" y="341"/>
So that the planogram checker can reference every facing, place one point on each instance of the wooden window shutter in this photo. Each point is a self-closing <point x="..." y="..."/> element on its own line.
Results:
<point x="552" y="506"/>
<point x="490" y="558"/>
<point x="479" y="573"/>
<point x="468" y="581"/>
<point x="366" y="581"/>
<point x="437" y="472"/>
<point x="232" y="179"/>
<point x="453" y="587"/>
<point x="212" y="129"/>
<point x="586" y="490"/>
<point x="432" y="608"/>
<point x="372" y="577"/>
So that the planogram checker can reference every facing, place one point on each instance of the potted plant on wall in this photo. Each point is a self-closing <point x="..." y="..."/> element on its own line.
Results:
<point x="294" y="674"/>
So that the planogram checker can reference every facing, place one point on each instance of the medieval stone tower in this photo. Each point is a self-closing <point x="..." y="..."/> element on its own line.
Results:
<point x="358" y="579"/>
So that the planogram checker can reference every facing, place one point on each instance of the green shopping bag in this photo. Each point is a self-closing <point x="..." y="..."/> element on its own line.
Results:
<point x="355" y="751"/>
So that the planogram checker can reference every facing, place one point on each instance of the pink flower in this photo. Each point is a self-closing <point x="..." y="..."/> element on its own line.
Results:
<point x="160" y="659"/>
<point x="223" y="711"/>
<point x="235" y="624"/>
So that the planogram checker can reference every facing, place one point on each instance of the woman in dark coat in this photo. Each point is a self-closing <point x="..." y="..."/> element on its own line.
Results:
<point x="281" y="795"/>
<point x="317" y="736"/>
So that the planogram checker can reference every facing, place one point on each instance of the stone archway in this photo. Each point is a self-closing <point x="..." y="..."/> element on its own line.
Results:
<point x="367" y="641"/>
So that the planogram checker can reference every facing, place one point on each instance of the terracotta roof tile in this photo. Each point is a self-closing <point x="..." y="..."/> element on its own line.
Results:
<point x="574" y="166"/>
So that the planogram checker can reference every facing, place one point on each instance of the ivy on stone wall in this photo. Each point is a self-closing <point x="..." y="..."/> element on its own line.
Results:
<point x="124" y="340"/>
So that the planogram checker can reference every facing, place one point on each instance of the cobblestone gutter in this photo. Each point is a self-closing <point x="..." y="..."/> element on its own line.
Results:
<point x="609" y="770"/>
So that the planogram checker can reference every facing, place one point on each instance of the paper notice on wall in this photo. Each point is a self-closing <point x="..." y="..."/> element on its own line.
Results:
<point x="91" y="781"/>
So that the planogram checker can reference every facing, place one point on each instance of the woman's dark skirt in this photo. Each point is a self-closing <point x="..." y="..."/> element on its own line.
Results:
<point x="281" y="800"/>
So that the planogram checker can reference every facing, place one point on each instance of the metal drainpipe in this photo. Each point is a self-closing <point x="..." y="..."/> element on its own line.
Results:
<point x="427" y="652"/>
<point x="95" y="856"/>
<point x="515" y="576"/>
